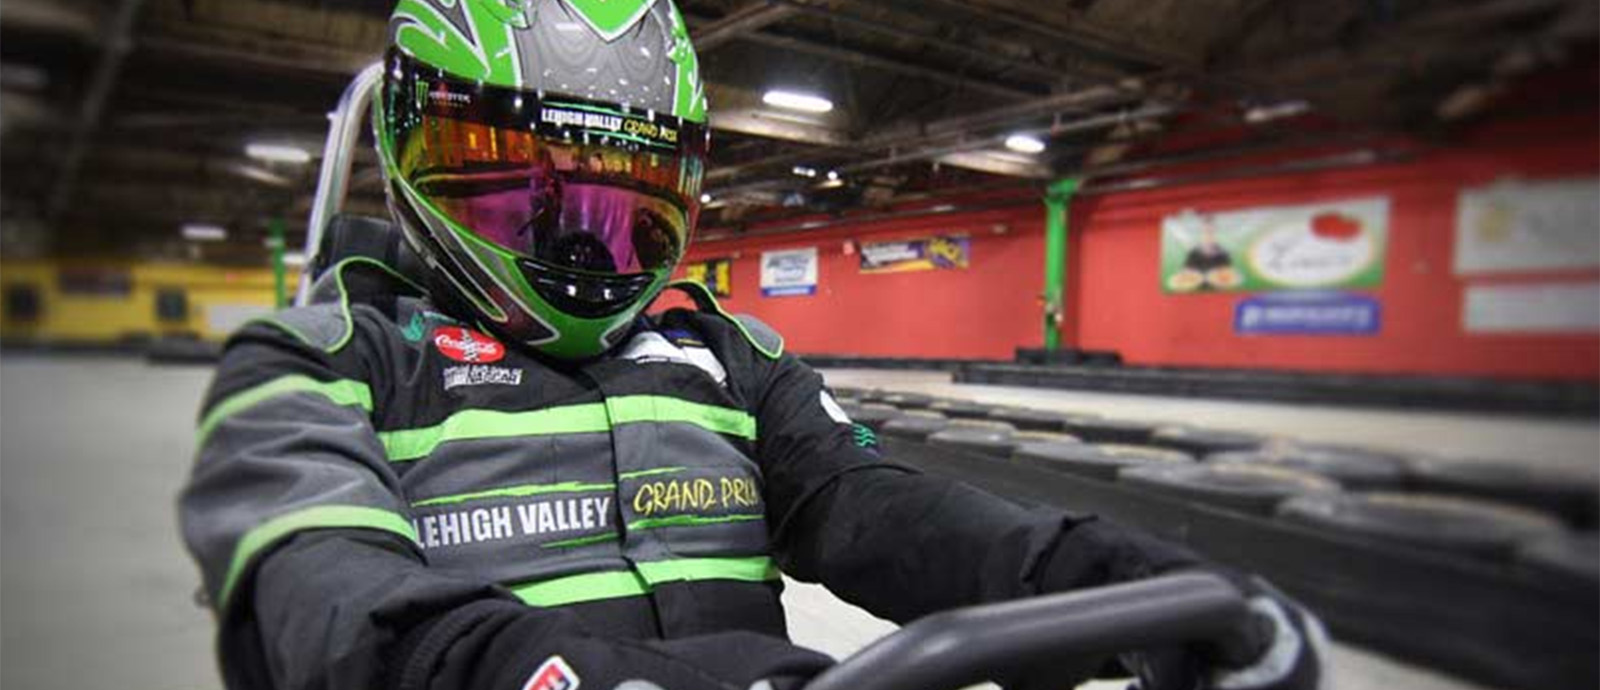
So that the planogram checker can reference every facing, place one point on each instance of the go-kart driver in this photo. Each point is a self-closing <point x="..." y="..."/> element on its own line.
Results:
<point x="497" y="474"/>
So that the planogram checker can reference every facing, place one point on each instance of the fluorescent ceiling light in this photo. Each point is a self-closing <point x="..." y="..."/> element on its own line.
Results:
<point x="802" y="102"/>
<point x="294" y="259"/>
<point x="804" y="171"/>
<point x="833" y="175"/>
<point x="278" y="153"/>
<point x="705" y="198"/>
<point x="204" y="232"/>
<point x="1025" y="143"/>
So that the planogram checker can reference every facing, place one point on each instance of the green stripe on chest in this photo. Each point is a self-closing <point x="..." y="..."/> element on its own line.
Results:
<point x="411" y="444"/>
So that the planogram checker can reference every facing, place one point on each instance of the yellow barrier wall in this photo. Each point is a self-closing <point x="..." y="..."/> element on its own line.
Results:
<point x="218" y="297"/>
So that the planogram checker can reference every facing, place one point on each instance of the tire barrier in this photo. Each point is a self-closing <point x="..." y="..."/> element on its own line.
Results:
<point x="1353" y="468"/>
<point x="1576" y="399"/>
<point x="1203" y="442"/>
<point x="994" y="441"/>
<point x="1566" y="492"/>
<point x="1030" y="419"/>
<point x="909" y="401"/>
<point x="1574" y="558"/>
<point x="916" y="425"/>
<point x="1096" y="462"/>
<point x="1459" y="525"/>
<point x="1465" y="574"/>
<point x="183" y="351"/>
<point x="1532" y="621"/>
<point x="1250" y="488"/>
<point x="961" y="409"/>
<point x="874" y="415"/>
<point x="1095" y="429"/>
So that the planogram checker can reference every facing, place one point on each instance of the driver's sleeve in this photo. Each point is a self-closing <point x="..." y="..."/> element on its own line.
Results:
<point x="304" y="544"/>
<point x="903" y="544"/>
<point x="311" y="565"/>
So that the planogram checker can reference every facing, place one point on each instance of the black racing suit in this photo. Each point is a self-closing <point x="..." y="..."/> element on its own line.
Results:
<point x="384" y="496"/>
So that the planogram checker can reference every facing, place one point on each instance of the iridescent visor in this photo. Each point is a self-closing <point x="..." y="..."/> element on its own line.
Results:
<point x="567" y="183"/>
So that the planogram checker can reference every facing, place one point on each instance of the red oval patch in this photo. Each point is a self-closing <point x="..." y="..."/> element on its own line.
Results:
<point x="1335" y="226"/>
<point x="466" y="345"/>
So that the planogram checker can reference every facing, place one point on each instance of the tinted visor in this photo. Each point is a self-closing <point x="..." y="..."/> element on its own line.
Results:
<point x="568" y="183"/>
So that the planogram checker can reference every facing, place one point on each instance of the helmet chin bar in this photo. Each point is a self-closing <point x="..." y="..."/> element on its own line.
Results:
<point x="586" y="296"/>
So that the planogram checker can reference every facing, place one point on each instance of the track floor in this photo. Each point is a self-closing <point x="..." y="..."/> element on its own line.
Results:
<point x="96" y="590"/>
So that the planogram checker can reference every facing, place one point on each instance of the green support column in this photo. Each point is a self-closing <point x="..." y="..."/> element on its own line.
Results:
<point x="1057" y="204"/>
<point x="279" y="289"/>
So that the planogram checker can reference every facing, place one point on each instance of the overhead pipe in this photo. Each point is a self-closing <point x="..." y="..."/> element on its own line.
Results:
<point x="1084" y="124"/>
<point x="118" y="43"/>
<point x="738" y="23"/>
<point x="1096" y="97"/>
<point x="865" y="60"/>
<point x="1081" y="125"/>
<point x="1086" y="187"/>
<point x="1352" y="159"/>
<point x="1047" y="74"/>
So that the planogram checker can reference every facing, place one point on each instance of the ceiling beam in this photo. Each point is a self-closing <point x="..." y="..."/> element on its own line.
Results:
<point x="738" y="23"/>
<point x="50" y="17"/>
<point x="856" y="58"/>
<point x="1044" y="73"/>
<point x="118" y="41"/>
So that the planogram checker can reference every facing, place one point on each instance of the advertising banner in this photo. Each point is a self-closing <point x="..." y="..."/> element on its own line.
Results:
<point x="1535" y="308"/>
<point x="789" y="272"/>
<point x="716" y="274"/>
<point x="1308" y="313"/>
<point x="1521" y="226"/>
<point x="925" y="254"/>
<point x="1329" y="245"/>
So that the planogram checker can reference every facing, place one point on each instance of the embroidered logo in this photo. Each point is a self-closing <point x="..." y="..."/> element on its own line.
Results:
<point x="553" y="674"/>
<point x="864" y="436"/>
<point x="464" y="345"/>
<point x="417" y="327"/>
<point x="479" y="374"/>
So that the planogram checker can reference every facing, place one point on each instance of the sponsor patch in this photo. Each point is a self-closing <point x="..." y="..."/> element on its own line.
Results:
<point x="480" y="374"/>
<point x="466" y="345"/>
<point x="553" y="674"/>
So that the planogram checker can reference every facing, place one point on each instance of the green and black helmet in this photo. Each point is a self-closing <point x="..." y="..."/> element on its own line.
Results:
<point x="545" y="157"/>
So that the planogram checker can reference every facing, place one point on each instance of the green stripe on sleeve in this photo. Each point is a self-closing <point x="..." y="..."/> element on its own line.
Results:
<point x="755" y="569"/>
<point x="411" y="444"/>
<point x="340" y="392"/>
<point x="580" y="588"/>
<point x="615" y="584"/>
<point x="656" y="408"/>
<point x="319" y="517"/>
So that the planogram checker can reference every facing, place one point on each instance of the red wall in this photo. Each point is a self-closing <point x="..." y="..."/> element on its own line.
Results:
<point x="981" y="312"/>
<point x="1115" y="300"/>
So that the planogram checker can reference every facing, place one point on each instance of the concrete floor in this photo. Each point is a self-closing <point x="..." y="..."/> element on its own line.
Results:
<point x="95" y="588"/>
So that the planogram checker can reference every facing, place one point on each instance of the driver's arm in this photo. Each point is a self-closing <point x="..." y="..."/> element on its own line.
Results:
<point x="903" y="544"/>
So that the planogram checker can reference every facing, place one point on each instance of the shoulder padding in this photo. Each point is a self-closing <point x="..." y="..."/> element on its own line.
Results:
<point x="762" y="337"/>
<point x="323" y="326"/>
<point x="326" y="323"/>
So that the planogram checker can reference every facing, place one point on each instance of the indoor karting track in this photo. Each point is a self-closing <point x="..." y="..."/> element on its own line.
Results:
<point x="97" y="590"/>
